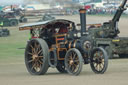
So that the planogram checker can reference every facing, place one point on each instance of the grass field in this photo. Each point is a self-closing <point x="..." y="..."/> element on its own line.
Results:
<point x="11" y="47"/>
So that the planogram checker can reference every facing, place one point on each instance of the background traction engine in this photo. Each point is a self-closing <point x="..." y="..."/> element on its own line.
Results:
<point x="60" y="45"/>
<point x="106" y="35"/>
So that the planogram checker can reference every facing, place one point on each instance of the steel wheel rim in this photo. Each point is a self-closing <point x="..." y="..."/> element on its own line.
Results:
<point x="35" y="57"/>
<point x="73" y="62"/>
<point x="98" y="61"/>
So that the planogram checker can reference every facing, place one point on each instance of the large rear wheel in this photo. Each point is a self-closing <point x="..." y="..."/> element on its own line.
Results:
<point x="36" y="57"/>
<point x="99" y="60"/>
<point x="73" y="61"/>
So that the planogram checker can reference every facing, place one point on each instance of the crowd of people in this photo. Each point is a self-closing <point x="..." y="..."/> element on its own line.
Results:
<point x="102" y="11"/>
<point x="92" y="11"/>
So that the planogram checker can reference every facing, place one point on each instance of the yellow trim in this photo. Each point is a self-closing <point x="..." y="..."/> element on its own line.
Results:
<point x="116" y="40"/>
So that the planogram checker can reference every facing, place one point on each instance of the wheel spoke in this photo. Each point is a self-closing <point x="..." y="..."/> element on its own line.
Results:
<point x="96" y="54"/>
<point x="36" y="66"/>
<point x="76" y="68"/>
<point x="69" y="60"/>
<point x="102" y="60"/>
<point x="94" y="57"/>
<point x="40" y="56"/>
<point x="102" y="64"/>
<point x="74" y="56"/>
<point x="35" y="44"/>
<point x="38" y="46"/>
<point x="39" y="52"/>
<point x="70" y="65"/>
<point x="35" y="51"/>
<point x="73" y="68"/>
<point x="32" y="49"/>
<point x="76" y="61"/>
<point x="40" y="62"/>
<point x="96" y="66"/>
<point x="31" y="46"/>
<point x="33" y="66"/>
<point x="30" y="61"/>
<point x="71" y="56"/>
<point x="75" y="65"/>
<point x="101" y="54"/>
<point x="100" y="67"/>
<point x="30" y="53"/>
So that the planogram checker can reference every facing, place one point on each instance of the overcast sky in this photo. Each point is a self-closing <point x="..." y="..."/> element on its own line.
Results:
<point x="11" y="1"/>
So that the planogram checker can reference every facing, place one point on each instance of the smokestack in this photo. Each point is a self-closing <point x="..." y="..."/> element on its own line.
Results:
<point x="83" y="21"/>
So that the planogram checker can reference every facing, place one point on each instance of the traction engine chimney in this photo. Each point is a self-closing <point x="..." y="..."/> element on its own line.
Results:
<point x="83" y="21"/>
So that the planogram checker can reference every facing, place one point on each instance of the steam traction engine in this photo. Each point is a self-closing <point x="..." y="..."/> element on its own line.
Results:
<point x="58" y="44"/>
<point x="106" y="35"/>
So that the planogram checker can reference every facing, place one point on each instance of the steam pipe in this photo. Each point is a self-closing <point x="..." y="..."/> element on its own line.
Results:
<point x="83" y="21"/>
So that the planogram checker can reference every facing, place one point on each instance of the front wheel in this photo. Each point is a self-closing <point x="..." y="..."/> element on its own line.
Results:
<point x="73" y="61"/>
<point x="99" y="60"/>
<point x="36" y="57"/>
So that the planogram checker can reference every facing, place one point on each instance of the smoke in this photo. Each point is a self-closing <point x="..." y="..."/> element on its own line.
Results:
<point x="11" y="2"/>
